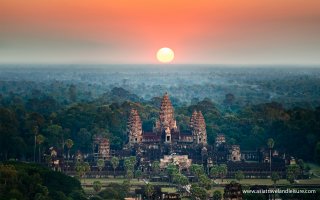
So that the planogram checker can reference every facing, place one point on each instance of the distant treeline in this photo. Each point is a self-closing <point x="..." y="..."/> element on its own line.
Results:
<point x="295" y="130"/>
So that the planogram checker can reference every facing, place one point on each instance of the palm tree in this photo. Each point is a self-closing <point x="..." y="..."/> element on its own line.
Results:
<point x="270" y="144"/>
<point x="115" y="164"/>
<point x="69" y="144"/>
<point x="138" y="174"/>
<point x="155" y="167"/>
<point x="97" y="186"/>
<point x="100" y="165"/>
<point x="35" y="131"/>
<point x="223" y="169"/>
<point x="40" y="139"/>
<point x="275" y="177"/>
<point x="82" y="168"/>
<point x="149" y="190"/>
<point x="239" y="176"/>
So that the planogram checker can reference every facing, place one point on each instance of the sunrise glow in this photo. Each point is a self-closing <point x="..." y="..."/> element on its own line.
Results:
<point x="165" y="55"/>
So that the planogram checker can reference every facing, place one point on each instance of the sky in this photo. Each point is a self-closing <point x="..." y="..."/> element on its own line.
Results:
<point x="131" y="31"/>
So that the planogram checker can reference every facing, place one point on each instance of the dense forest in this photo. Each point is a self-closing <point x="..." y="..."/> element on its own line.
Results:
<point x="60" y="108"/>
<point x="32" y="182"/>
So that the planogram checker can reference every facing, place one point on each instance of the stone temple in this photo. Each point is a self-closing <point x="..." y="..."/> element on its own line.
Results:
<point x="170" y="145"/>
<point x="165" y="130"/>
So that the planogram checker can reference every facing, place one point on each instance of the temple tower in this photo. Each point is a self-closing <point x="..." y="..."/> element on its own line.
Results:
<point x="193" y="119"/>
<point x="235" y="154"/>
<point x="166" y="122"/>
<point x="220" y="140"/>
<point x="198" y="128"/>
<point x="134" y="127"/>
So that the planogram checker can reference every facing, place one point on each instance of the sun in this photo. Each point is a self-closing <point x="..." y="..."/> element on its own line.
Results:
<point x="165" y="55"/>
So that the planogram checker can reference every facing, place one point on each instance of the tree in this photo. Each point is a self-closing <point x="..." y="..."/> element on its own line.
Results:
<point x="82" y="168"/>
<point x="215" y="171"/>
<point x="115" y="164"/>
<point x="129" y="163"/>
<point x="275" y="177"/>
<point x="197" y="170"/>
<point x="97" y="186"/>
<point x="198" y="193"/>
<point x="155" y="167"/>
<point x="205" y="181"/>
<point x="54" y="135"/>
<point x="172" y="170"/>
<point x="317" y="153"/>
<point x="40" y="140"/>
<point x="138" y="174"/>
<point x="100" y="165"/>
<point x="270" y="144"/>
<point x="129" y="174"/>
<point x="182" y="180"/>
<point x="223" y="170"/>
<point x="72" y="92"/>
<point x="8" y="130"/>
<point x="69" y="144"/>
<point x="292" y="173"/>
<point x="239" y="176"/>
<point x="8" y="174"/>
<point x="35" y="131"/>
<point x="148" y="190"/>
<point x="217" y="195"/>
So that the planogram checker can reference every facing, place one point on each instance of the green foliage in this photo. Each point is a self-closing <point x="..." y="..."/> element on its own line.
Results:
<point x="239" y="175"/>
<point x="198" y="192"/>
<point x="155" y="167"/>
<point x="293" y="171"/>
<point x="217" y="195"/>
<point x="138" y="174"/>
<point x="317" y="153"/>
<point x="82" y="168"/>
<point x="180" y="179"/>
<point x="197" y="170"/>
<point x="97" y="186"/>
<point x="270" y="143"/>
<point x="219" y="171"/>
<point x="215" y="171"/>
<point x="148" y="190"/>
<point x="114" y="191"/>
<point x="69" y="143"/>
<point x="100" y="164"/>
<point x="205" y="182"/>
<point x="115" y="163"/>
<point x="275" y="177"/>
<point x="30" y="181"/>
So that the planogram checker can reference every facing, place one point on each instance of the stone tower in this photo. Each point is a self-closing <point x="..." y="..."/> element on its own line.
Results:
<point x="166" y="122"/>
<point x="193" y="119"/>
<point x="198" y="128"/>
<point x="134" y="127"/>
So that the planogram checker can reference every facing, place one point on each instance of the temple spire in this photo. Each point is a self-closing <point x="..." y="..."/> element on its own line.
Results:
<point x="134" y="127"/>
<point x="198" y="128"/>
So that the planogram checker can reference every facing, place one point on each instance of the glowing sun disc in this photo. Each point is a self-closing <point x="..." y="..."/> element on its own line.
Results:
<point x="165" y="55"/>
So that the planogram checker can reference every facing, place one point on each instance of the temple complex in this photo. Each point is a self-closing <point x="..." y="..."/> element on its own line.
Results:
<point x="166" y="130"/>
<point x="166" y="143"/>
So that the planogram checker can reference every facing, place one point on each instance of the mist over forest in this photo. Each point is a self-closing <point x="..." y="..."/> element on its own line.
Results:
<point x="186" y="84"/>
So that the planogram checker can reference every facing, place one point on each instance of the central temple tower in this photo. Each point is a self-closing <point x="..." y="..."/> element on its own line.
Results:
<point x="166" y="124"/>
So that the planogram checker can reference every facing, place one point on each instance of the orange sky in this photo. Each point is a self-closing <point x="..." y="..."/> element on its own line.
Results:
<point x="129" y="31"/>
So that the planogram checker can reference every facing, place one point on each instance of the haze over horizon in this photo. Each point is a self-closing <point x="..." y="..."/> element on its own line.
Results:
<point x="229" y="32"/>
